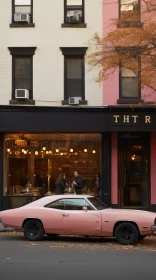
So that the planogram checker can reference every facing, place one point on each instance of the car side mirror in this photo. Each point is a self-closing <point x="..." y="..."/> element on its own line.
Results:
<point x="85" y="208"/>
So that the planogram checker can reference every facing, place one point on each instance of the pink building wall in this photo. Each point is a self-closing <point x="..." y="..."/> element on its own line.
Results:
<point x="111" y="85"/>
<point x="153" y="168"/>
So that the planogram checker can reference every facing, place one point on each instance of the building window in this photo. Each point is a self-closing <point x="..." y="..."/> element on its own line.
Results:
<point x="129" y="10"/>
<point x="74" y="73"/>
<point x="22" y="13"/>
<point x="74" y="13"/>
<point x="32" y="163"/>
<point x="22" y="73"/>
<point x="130" y="87"/>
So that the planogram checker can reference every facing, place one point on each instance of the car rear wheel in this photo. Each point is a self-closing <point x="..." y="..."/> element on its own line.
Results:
<point x="33" y="230"/>
<point x="126" y="234"/>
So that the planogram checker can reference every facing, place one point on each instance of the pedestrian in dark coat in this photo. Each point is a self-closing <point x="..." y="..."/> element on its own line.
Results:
<point x="77" y="183"/>
<point x="60" y="183"/>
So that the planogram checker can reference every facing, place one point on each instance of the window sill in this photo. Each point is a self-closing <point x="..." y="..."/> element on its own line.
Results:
<point x="22" y="102"/>
<point x="82" y="102"/>
<point x="129" y="101"/>
<point x="129" y="24"/>
<point x="73" y="25"/>
<point x="22" y="25"/>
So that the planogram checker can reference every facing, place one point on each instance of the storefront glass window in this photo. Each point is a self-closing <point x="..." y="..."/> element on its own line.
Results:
<point x="32" y="162"/>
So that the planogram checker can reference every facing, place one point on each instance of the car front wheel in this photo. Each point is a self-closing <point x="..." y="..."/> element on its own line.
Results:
<point x="126" y="233"/>
<point x="33" y="230"/>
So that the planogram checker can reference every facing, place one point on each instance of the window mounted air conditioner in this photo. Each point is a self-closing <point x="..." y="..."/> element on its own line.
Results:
<point x="21" y="18"/>
<point x="21" y="94"/>
<point x="74" y="100"/>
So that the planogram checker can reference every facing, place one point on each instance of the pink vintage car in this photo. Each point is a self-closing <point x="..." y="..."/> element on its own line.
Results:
<point x="79" y="215"/>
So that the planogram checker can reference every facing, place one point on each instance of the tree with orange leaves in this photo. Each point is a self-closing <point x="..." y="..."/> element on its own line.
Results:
<point x="134" y="39"/>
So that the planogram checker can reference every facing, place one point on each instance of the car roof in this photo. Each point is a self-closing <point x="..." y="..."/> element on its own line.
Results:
<point x="47" y="199"/>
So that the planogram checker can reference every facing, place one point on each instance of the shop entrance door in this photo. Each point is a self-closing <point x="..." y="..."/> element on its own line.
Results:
<point x="133" y="173"/>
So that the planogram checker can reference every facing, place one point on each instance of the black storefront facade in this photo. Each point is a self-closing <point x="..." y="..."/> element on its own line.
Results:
<point x="37" y="142"/>
<point x="116" y="142"/>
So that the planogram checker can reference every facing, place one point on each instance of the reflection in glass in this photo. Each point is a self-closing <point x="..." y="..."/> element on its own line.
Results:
<point x="22" y="7"/>
<point x="129" y="10"/>
<point x="134" y="170"/>
<point x="22" y="73"/>
<point x="74" y="11"/>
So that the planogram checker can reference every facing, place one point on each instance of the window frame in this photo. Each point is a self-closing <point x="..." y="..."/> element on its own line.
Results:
<point x="66" y="9"/>
<point x="82" y="78"/>
<point x="55" y="201"/>
<point x="127" y="23"/>
<point x="74" y="52"/>
<point x="22" y="52"/>
<point x="132" y="99"/>
<point x="71" y="198"/>
<point x="22" y="24"/>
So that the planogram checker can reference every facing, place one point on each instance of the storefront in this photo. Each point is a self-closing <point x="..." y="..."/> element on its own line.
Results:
<point x="37" y="143"/>
<point x="133" y="157"/>
<point x="118" y="143"/>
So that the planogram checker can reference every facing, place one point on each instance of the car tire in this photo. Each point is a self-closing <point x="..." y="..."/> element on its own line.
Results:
<point x="126" y="233"/>
<point x="141" y="237"/>
<point x="33" y="230"/>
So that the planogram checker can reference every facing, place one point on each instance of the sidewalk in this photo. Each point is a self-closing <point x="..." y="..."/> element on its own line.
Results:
<point x="5" y="229"/>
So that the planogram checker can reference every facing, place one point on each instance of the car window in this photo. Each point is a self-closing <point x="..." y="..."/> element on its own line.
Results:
<point x="97" y="203"/>
<point x="76" y="204"/>
<point x="57" y="204"/>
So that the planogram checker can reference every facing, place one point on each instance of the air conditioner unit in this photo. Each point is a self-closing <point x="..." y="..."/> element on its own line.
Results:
<point x="21" y="94"/>
<point x="74" y="100"/>
<point x="21" y="18"/>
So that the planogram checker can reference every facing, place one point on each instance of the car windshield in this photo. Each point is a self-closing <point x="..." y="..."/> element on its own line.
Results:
<point x="97" y="203"/>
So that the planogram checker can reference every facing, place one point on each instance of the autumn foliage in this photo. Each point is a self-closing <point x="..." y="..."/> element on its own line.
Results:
<point x="132" y="39"/>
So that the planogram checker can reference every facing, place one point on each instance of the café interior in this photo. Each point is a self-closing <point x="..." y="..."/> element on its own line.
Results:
<point x="32" y="162"/>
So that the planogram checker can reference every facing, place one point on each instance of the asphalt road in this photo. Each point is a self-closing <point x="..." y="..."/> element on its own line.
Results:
<point x="75" y="258"/>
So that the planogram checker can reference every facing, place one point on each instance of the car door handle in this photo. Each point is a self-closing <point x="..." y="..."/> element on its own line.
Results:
<point x="65" y="215"/>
